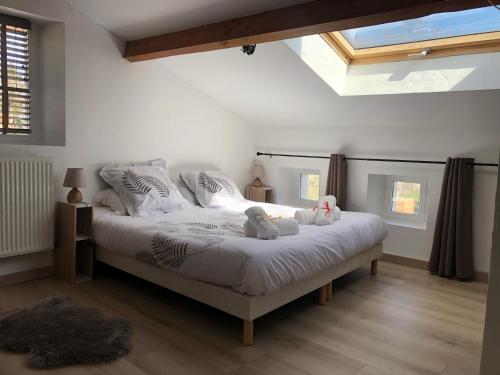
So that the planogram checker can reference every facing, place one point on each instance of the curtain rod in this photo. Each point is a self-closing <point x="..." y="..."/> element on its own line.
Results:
<point x="371" y="159"/>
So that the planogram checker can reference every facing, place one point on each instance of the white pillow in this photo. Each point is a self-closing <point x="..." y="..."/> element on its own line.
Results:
<point x="186" y="192"/>
<point x="110" y="199"/>
<point x="212" y="188"/>
<point x="144" y="190"/>
<point x="153" y="162"/>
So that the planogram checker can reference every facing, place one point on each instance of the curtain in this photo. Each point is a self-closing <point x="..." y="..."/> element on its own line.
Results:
<point x="452" y="246"/>
<point x="337" y="178"/>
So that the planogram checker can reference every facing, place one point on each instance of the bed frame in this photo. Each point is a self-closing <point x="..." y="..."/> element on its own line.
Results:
<point x="241" y="305"/>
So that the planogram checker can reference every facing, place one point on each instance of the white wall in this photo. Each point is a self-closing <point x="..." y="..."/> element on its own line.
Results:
<point x="434" y="143"/>
<point x="322" y="59"/>
<point x="118" y="111"/>
<point x="454" y="73"/>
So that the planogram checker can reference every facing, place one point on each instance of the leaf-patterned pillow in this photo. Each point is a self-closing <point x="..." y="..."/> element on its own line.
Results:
<point x="144" y="190"/>
<point x="212" y="188"/>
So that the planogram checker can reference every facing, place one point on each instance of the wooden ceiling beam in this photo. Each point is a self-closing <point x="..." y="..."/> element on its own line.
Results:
<point x="313" y="17"/>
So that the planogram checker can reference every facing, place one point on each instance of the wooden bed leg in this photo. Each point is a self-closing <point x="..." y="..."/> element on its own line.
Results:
<point x="329" y="291"/>
<point x="322" y="295"/>
<point x="247" y="332"/>
<point x="374" y="267"/>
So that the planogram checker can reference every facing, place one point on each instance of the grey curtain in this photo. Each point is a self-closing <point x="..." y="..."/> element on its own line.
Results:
<point x="452" y="246"/>
<point x="337" y="179"/>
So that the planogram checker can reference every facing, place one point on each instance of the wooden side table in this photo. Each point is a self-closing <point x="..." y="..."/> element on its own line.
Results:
<point x="260" y="193"/>
<point x="74" y="248"/>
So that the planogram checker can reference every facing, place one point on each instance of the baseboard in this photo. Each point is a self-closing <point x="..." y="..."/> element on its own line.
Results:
<point x="405" y="261"/>
<point x="482" y="276"/>
<point x="422" y="264"/>
<point x="28" y="275"/>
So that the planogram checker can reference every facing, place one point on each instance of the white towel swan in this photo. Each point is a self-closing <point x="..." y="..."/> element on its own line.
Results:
<point x="260" y="225"/>
<point x="326" y="207"/>
<point x="324" y="214"/>
<point x="306" y="217"/>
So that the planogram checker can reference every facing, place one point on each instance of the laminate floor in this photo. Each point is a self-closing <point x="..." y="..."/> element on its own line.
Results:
<point x="402" y="321"/>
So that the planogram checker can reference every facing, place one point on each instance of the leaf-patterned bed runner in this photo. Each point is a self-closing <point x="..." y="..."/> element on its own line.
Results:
<point x="173" y="243"/>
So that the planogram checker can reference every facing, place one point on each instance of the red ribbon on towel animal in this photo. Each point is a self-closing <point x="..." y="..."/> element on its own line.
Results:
<point x="326" y="207"/>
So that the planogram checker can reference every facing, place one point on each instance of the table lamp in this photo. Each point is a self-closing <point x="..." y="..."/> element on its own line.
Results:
<point x="258" y="172"/>
<point x="74" y="179"/>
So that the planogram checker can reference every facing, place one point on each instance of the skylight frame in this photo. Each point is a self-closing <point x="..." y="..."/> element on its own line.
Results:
<point x="453" y="46"/>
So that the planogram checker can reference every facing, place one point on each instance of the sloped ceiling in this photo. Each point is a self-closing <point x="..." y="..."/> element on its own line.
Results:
<point x="274" y="87"/>
<point x="132" y="19"/>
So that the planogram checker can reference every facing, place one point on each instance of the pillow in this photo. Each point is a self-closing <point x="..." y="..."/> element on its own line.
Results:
<point x="144" y="190"/>
<point x="110" y="199"/>
<point x="186" y="192"/>
<point x="212" y="188"/>
<point x="154" y="162"/>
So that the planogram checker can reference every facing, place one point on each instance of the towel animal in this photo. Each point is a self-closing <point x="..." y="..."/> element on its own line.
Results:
<point x="307" y="217"/>
<point x="324" y="214"/>
<point x="260" y="223"/>
<point x="325" y="209"/>
<point x="285" y="226"/>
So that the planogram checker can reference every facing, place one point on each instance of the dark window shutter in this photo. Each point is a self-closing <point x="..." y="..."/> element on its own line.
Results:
<point x="15" y="76"/>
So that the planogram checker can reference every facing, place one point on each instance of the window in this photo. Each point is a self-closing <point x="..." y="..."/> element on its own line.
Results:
<point x="309" y="186"/>
<point x="399" y="200"/>
<point x="438" y="35"/>
<point x="405" y="198"/>
<point x="15" y="96"/>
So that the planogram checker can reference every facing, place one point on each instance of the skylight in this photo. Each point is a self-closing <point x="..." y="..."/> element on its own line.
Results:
<point x="435" y="26"/>
<point x="438" y="35"/>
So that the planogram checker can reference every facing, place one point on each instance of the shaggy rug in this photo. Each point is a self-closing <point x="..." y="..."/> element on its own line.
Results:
<point x="56" y="332"/>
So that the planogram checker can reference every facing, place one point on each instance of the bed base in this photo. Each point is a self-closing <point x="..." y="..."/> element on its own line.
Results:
<point x="248" y="308"/>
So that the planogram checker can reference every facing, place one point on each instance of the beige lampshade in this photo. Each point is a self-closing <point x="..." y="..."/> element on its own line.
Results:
<point x="258" y="171"/>
<point x="75" y="177"/>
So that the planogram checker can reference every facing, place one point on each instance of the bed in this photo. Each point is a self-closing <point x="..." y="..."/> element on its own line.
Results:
<point x="203" y="254"/>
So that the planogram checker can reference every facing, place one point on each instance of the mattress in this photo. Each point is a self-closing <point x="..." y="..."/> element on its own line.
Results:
<point x="209" y="245"/>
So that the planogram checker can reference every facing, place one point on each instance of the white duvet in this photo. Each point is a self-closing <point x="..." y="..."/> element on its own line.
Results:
<point x="209" y="245"/>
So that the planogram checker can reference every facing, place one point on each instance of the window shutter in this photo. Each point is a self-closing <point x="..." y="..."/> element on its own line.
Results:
<point x="15" y="77"/>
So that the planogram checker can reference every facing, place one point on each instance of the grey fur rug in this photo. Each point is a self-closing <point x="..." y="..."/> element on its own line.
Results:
<point x="56" y="332"/>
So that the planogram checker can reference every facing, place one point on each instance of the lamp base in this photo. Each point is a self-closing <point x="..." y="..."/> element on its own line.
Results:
<point x="257" y="182"/>
<point x="74" y="196"/>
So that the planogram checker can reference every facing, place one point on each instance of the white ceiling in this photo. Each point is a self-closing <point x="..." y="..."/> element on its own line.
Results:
<point x="274" y="87"/>
<point x="132" y="19"/>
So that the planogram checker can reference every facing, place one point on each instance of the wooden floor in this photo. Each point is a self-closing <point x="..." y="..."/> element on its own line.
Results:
<point x="402" y="321"/>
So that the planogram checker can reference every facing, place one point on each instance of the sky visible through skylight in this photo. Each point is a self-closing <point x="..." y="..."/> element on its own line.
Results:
<point x="435" y="26"/>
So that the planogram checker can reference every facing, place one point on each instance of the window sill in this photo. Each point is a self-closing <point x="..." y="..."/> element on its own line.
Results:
<point x="406" y="224"/>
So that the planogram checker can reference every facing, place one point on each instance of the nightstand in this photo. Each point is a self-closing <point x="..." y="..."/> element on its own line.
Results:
<point x="260" y="193"/>
<point x="74" y="248"/>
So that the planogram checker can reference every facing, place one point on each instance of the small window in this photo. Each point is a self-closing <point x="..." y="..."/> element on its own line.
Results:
<point x="399" y="200"/>
<point x="309" y="187"/>
<point x="15" y="99"/>
<point x="405" y="199"/>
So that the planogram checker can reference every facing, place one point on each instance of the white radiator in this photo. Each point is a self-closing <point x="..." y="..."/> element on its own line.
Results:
<point x="26" y="206"/>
